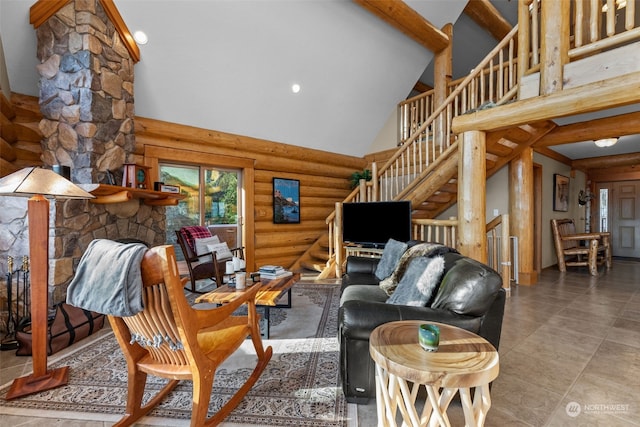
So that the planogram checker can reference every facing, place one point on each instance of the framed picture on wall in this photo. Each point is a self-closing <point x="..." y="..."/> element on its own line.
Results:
<point x="286" y="201"/>
<point x="560" y="193"/>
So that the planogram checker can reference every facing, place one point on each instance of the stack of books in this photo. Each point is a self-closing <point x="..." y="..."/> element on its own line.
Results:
<point x="273" y="272"/>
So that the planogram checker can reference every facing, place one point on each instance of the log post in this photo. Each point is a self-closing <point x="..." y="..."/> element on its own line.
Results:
<point x="554" y="47"/>
<point x="338" y="243"/>
<point x="375" y="189"/>
<point x="442" y="73"/>
<point x="524" y="43"/>
<point x="472" y="171"/>
<point x="521" y="213"/>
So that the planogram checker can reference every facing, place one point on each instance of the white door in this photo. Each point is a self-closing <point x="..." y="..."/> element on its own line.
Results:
<point x="619" y="213"/>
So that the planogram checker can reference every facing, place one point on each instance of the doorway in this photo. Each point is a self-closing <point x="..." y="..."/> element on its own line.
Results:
<point x="618" y="211"/>
<point x="212" y="201"/>
<point x="537" y="217"/>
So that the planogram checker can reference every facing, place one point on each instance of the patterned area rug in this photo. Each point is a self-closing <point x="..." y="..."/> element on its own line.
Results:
<point x="298" y="387"/>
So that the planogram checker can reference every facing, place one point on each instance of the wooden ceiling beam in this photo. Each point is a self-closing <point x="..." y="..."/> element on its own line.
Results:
<point x="605" y="162"/>
<point x="606" y="127"/>
<point x="421" y="87"/>
<point x="42" y="10"/>
<point x="623" y="173"/>
<point x="399" y="15"/>
<point x="483" y="13"/>
<point x="614" y="92"/>
<point x="553" y="155"/>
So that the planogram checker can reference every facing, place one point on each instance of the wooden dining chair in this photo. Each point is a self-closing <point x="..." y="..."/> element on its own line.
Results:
<point x="580" y="249"/>
<point x="170" y="339"/>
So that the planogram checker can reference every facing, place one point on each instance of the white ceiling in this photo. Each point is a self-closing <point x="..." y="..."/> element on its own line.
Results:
<point x="229" y="65"/>
<point x="587" y="149"/>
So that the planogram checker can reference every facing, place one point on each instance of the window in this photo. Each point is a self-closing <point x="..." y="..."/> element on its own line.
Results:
<point x="212" y="200"/>
<point x="604" y="209"/>
<point x="221" y="197"/>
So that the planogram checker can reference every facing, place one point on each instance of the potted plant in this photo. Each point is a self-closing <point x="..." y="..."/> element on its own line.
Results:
<point x="358" y="175"/>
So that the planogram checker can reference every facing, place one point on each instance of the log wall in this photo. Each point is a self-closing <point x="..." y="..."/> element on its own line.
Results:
<point x="19" y="133"/>
<point x="323" y="176"/>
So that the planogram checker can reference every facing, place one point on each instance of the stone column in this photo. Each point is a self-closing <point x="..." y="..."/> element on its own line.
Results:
<point x="86" y="100"/>
<point x="86" y="92"/>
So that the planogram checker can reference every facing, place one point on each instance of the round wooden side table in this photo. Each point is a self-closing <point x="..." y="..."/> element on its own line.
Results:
<point x="463" y="361"/>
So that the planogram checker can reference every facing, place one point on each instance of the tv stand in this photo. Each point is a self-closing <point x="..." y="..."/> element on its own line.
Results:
<point x="371" y="252"/>
<point x="372" y="245"/>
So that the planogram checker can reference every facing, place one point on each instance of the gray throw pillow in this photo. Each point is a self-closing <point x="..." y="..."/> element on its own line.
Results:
<point x="419" y="283"/>
<point x="393" y="250"/>
<point x="201" y="248"/>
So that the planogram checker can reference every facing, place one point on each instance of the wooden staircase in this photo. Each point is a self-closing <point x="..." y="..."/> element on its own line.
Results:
<point x="424" y="169"/>
<point x="317" y="258"/>
<point x="434" y="193"/>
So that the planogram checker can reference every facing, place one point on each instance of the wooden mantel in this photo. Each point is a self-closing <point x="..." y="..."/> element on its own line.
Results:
<point x="108" y="194"/>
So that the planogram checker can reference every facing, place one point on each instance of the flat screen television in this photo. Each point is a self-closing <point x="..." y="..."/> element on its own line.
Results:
<point x="372" y="224"/>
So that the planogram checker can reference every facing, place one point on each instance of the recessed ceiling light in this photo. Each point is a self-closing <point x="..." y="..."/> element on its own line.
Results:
<point x="295" y="88"/>
<point x="140" y="37"/>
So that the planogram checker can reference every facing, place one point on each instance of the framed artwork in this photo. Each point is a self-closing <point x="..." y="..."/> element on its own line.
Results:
<point x="560" y="193"/>
<point x="286" y="201"/>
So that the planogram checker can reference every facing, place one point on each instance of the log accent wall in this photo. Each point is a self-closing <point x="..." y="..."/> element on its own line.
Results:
<point x="324" y="180"/>
<point x="19" y="133"/>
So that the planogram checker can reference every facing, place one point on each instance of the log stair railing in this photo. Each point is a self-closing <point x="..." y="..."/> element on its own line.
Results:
<point x="424" y="168"/>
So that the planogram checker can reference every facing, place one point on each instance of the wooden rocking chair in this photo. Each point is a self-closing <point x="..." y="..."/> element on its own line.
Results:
<point x="172" y="340"/>
<point x="571" y="252"/>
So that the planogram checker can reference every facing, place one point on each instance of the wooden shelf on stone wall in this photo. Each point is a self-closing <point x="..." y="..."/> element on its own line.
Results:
<point x="108" y="194"/>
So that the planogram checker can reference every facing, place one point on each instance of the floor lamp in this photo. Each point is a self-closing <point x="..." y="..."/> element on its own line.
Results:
<point x="38" y="184"/>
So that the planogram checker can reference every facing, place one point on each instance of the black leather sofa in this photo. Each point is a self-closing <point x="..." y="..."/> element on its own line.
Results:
<point x="472" y="293"/>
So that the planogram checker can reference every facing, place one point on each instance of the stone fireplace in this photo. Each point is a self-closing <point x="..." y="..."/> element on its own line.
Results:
<point x="87" y="105"/>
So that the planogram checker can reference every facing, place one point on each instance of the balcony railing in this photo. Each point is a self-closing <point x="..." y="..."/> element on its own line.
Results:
<point x="595" y="27"/>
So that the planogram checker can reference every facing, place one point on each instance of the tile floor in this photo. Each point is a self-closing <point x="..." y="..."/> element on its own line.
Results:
<point x="570" y="341"/>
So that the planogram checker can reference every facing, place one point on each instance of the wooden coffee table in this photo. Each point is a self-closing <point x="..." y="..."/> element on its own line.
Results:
<point x="268" y="296"/>
<point x="463" y="361"/>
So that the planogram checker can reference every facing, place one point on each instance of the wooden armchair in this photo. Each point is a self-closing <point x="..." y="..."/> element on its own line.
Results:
<point x="213" y="268"/>
<point x="170" y="339"/>
<point x="572" y="253"/>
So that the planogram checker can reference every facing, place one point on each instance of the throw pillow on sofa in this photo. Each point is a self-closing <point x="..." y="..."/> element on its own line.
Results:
<point x="393" y="250"/>
<point x="425" y="249"/>
<point x="419" y="282"/>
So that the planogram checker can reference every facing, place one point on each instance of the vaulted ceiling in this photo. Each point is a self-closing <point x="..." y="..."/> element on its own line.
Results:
<point x="229" y="65"/>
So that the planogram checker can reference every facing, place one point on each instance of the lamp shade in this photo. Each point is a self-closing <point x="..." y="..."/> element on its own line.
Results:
<point x="33" y="180"/>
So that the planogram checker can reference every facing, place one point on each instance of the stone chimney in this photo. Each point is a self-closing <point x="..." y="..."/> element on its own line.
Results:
<point x="86" y="99"/>
<point x="86" y="92"/>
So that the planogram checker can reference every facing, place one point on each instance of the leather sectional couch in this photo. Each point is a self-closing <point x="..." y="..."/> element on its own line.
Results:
<point x="469" y="296"/>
